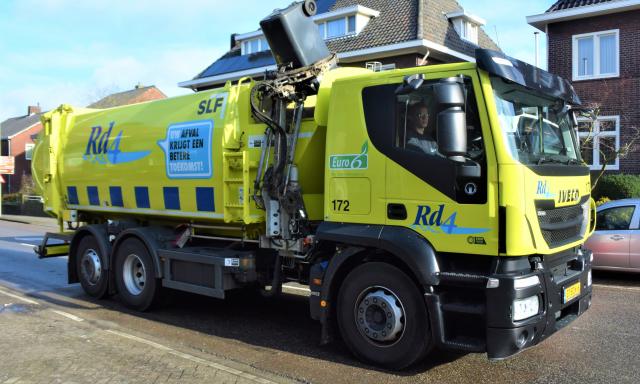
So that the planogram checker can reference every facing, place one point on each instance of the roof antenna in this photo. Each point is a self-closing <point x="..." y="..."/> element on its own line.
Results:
<point x="495" y="29"/>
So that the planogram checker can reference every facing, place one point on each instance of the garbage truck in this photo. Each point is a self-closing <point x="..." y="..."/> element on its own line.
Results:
<point x="438" y="207"/>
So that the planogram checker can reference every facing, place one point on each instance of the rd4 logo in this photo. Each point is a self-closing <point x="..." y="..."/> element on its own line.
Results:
<point x="102" y="150"/>
<point x="431" y="219"/>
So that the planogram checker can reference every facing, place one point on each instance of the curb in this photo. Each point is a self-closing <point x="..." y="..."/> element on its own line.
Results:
<point x="2" y="218"/>
<point x="28" y="220"/>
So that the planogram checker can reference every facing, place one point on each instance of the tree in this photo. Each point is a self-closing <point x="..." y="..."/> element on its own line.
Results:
<point x="606" y="148"/>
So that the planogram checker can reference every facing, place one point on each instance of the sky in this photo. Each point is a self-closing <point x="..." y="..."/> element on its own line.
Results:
<point x="76" y="52"/>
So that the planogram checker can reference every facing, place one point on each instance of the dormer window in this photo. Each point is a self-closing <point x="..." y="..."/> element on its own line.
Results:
<point x="342" y="22"/>
<point x="254" y="45"/>
<point x="466" y="25"/>
<point x="338" y="27"/>
<point x="347" y="21"/>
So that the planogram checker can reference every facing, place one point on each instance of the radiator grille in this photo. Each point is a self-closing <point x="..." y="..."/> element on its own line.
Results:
<point x="560" y="225"/>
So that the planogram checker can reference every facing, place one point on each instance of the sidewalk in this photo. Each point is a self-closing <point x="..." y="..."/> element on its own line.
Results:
<point x="31" y="220"/>
<point x="40" y="344"/>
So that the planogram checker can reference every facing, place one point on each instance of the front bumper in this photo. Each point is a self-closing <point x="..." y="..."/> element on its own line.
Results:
<point x="506" y="337"/>
<point x="497" y="333"/>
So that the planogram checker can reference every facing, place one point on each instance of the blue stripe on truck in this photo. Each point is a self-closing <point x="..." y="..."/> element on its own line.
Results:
<point x="204" y="199"/>
<point x="94" y="198"/>
<point x="116" y="196"/>
<point x="142" y="197"/>
<point x="171" y="198"/>
<point x="72" y="195"/>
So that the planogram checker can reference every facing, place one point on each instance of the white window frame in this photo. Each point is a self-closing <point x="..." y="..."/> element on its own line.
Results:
<point x="263" y="45"/>
<point x="596" y="135"/>
<point x="27" y="147"/>
<point x="464" y="28"/>
<point x="324" y="23"/>
<point x="596" y="55"/>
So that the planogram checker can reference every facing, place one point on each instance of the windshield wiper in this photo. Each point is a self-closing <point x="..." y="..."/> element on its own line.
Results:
<point x="546" y="160"/>
<point x="573" y="161"/>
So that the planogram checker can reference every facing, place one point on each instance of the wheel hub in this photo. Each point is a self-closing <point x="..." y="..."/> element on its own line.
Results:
<point x="379" y="315"/>
<point x="91" y="267"/>
<point x="134" y="274"/>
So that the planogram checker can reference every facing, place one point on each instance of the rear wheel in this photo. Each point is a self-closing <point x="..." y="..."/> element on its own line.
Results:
<point x="382" y="316"/>
<point x="137" y="285"/>
<point x="90" y="263"/>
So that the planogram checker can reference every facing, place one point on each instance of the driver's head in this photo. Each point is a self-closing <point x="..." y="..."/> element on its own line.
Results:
<point x="420" y="117"/>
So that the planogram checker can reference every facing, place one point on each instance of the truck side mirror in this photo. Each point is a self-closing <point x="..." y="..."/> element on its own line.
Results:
<point x="452" y="119"/>
<point x="410" y="84"/>
<point x="583" y="112"/>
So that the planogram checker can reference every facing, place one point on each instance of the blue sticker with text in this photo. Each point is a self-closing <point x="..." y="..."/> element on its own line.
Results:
<point x="187" y="149"/>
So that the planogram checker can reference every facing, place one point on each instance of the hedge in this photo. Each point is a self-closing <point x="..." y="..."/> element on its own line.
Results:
<point x="617" y="186"/>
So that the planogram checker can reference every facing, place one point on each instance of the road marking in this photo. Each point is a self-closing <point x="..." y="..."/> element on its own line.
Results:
<point x="67" y="315"/>
<point x="195" y="359"/>
<point x="620" y="287"/>
<point x="24" y="299"/>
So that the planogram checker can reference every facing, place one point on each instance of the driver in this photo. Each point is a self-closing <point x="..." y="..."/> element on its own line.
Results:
<point x="421" y="136"/>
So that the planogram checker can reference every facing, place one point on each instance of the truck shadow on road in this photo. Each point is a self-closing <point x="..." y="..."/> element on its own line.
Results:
<point x="622" y="279"/>
<point x="281" y="324"/>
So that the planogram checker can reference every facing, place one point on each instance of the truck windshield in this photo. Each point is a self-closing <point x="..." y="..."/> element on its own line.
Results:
<point x="537" y="129"/>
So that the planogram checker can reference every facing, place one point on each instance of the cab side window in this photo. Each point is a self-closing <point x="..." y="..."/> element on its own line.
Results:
<point x="615" y="219"/>
<point x="405" y="128"/>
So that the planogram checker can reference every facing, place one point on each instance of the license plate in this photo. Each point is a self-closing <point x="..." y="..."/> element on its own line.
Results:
<point x="571" y="292"/>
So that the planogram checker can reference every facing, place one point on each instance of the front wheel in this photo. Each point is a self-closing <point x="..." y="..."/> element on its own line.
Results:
<point x="137" y="285"/>
<point x="382" y="316"/>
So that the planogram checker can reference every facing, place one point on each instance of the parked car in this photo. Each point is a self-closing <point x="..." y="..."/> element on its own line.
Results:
<point x="616" y="241"/>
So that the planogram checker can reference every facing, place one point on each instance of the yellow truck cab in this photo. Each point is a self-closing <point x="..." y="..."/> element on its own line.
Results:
<point x="435" y="207"/>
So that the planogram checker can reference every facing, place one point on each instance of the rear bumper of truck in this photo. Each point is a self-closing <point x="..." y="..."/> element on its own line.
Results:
<point x="561" y="283"/>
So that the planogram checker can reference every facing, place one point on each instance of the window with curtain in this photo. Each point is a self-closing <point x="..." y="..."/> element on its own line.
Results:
<point x="255" y="45"/>
<point x="466" y="29"/>
<point x="343" y="26"/>
<point x="336" y="28"/>
<point x="596" y="55"/>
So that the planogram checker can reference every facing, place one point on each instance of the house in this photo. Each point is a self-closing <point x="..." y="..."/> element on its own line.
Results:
<point x="137" y="95"/>
<point x="18" y="132"/>
<point x="378" y="34"/>
<point x="16" y="140"/>
<point x="596" y="45"/>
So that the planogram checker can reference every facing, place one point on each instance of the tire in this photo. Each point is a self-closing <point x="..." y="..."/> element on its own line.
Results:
<point x="90" y="264"/>
<point x="382" y="316"/>
<point x="137" y="285"/>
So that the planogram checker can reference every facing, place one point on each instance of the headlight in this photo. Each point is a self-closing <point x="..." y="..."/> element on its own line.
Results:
<point x="526" y="282"/>
<point x="589" y="279"/>
<point x="525" y="308"/>
<point x="586" y="212"/>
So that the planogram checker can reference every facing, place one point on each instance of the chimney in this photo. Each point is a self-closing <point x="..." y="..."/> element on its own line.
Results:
<point x="33" y="109"/>
<point x="233" y="40"/>
<point x="139" y="85"/>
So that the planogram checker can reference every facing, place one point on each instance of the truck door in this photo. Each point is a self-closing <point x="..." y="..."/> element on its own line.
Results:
<point x="425" y="190"/>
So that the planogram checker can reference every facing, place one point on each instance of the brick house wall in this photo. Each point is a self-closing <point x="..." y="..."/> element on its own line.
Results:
<point x="616" y="96"/>
<point x="22" y="165"/>
<point x="150" y="94"/>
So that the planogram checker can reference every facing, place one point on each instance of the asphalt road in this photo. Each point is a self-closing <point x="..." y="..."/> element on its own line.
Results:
<point x="278" y="338"/>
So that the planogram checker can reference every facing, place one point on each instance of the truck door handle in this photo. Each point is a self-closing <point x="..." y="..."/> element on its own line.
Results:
<point x="617" y="237"/>
<point x="396" y="212"/>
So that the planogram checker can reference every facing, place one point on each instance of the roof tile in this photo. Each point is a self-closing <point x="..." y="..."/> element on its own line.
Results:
<point x="397" y="23"/>
<point x="568" y="4"/>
